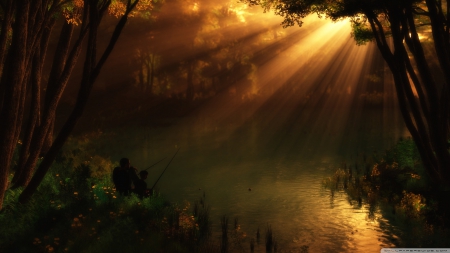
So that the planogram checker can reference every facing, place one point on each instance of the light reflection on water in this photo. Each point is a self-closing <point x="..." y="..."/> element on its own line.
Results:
<point x="245" y="176"/>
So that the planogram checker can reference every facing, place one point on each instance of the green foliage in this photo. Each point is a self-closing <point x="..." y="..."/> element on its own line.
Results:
<point x="361" y="33"/>
<point x="399" y="169"/>
<point x="79" y="151"/>
<point x="397" y="185"/>
<point x="404" y="153"/>
<point x="75" y="212"/>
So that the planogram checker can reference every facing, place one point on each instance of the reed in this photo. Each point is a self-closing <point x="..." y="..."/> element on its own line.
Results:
<point x="258" y="236"/>
<point x="396" y="185"/>
<point x="76" y="209"/>
<point x="224" y="241"/>
<point x="203" y="220"/>
<point x="269" y="239"/>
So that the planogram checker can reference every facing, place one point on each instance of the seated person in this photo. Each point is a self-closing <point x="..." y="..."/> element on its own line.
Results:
<point x="123" y="177"/>
<point x="140" y="186"/>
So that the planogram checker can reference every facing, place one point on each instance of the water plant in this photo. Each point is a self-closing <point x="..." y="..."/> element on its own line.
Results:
<point x="269" y="240"/>
<point x="76" y="209"/>
<point x="396" y="184"/>
<point x="224" y="241"/>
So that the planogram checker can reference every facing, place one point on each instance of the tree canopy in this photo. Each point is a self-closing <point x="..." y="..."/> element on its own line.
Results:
<point x="400" y="29"/>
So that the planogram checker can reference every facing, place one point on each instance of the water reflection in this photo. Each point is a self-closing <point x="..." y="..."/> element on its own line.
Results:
<point x="283" y="168"/>
<point x="281" y="146"/>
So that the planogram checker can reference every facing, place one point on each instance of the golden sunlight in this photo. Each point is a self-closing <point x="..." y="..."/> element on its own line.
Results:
<point x="240" y="10"/>
<point x="195" y="7"/>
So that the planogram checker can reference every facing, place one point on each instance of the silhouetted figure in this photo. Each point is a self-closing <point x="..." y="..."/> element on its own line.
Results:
<point x="124" y="176"/>
<point x="140" y="186"/>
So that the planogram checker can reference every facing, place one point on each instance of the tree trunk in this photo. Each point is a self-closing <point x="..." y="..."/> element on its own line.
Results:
<point x="90" y="73"/>
<point x="5" y="28"/>
<point x="12" y="80"/>
<point x="21" y="176"/>
<point x="48" y="139"/>
<point x="141" y="78"/>
<point x="55" y="87"/>
<point x="425" y="117"/>
<point x="190" y="82"/>
<point x="152" y="74"/>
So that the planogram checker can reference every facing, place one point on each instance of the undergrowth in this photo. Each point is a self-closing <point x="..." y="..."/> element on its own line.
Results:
<point x="76" y="209"/>
<point x="397" y="185"/>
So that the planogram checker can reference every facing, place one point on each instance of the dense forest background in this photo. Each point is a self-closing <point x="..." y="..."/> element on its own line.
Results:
<point x="188" y="53"/>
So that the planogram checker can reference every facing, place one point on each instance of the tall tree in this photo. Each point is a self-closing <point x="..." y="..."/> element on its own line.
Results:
<point x="422" y="88"/>
<point x="26" y="28"/>
<point x="148" y="67"/>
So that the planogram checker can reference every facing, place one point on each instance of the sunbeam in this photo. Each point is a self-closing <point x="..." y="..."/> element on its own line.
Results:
<point x="118" y="115"/>
<point x="308" y="85"/>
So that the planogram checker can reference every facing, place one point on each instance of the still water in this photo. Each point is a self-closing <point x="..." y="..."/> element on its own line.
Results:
<point x="266" y="169"/>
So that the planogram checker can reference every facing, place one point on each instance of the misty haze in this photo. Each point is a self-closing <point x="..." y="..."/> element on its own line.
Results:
<point x="275" y="133"/>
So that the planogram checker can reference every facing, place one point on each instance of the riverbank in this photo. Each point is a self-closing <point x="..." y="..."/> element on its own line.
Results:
<point x="76" y="209"/>
<point x="281" y="159"/>
<point x="397" y="185"/>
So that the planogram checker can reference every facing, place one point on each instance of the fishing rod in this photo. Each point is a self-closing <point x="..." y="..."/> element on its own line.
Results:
<point x="153" y="187"/>
<point x="155" y="163"/>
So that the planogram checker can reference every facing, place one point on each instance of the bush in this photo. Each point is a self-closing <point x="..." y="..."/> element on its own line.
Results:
<point x="74" y="211"/>
<point x="398" y="186"/>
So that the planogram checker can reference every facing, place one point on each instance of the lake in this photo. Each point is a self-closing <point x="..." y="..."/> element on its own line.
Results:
<point x="267" y="169"/>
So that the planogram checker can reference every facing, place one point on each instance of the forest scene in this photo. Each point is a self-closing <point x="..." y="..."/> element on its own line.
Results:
<point x="224" y="125"/>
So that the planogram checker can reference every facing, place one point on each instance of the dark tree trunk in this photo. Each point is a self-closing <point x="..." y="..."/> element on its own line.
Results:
<point x="141" y="78"/>
<point x="55" y="87"/>
<point x="190" y="82"/>
<point x="5" y="28"/>
<point x="151" y="74"/>
<point x="21" y="176"/>
<point x="12" y="79"/>
<point x="424" y="116"/>
<point x="48" y="140"/>
<point x="90" y="73"/>
<point x="23" y="66"/>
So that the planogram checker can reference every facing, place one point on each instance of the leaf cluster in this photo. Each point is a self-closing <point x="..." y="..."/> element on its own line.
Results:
<point x="398" y="185"/>
<point x="293" y="11"/>
<point x="361" y="33"/>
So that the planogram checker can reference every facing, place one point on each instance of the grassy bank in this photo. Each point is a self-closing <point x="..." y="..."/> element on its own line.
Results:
<point x="63" y="217"/>
<point x="76" y="209"/>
